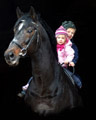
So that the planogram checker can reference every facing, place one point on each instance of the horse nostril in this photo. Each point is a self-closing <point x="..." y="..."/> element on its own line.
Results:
<point x="11" y="55"/>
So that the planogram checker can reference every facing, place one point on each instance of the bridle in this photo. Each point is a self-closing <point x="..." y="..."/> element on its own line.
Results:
<point x="23" y="51"/>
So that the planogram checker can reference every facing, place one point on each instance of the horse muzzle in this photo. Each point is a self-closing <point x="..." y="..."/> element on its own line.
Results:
<point x="11" y="59"/>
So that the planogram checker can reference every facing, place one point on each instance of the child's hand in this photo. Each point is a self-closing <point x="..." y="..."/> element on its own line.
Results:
<point x="71" y="64"/>
<point x="66" y="62"/>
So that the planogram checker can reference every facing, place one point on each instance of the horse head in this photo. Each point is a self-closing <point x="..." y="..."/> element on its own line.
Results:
<point x="25" y="33"/>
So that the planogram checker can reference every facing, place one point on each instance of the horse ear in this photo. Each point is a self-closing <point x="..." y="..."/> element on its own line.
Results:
<point x="33" y="14"/>
<point x="18" y="12"/>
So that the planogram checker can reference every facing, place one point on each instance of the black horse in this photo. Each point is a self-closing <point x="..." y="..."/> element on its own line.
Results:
<point x="50" y="91"/>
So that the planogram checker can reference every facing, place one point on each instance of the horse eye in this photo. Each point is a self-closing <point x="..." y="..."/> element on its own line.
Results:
<point x="29" y="31"/>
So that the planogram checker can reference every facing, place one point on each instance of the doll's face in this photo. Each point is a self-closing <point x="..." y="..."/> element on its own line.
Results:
<point x="71" y="32"/>
<point x="61" y="39"/>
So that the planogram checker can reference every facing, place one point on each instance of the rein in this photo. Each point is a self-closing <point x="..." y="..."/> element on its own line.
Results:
<point x="73" y="71"/>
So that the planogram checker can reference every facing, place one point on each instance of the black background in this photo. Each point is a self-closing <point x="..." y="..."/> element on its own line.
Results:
<point x="82" y="13"/>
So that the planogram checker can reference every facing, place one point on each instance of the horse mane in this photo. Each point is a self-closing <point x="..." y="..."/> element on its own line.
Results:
<point x="50" y="34"/>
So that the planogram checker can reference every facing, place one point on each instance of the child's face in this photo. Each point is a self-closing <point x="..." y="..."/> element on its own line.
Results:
<point x="61" y="39"/>
<point x="71" y="32"/>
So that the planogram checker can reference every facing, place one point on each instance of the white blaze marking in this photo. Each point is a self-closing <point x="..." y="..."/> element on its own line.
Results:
<point x="20" y="26"/>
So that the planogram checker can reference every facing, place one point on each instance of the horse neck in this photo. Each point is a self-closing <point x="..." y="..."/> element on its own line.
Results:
<point x="43" y="62"/>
